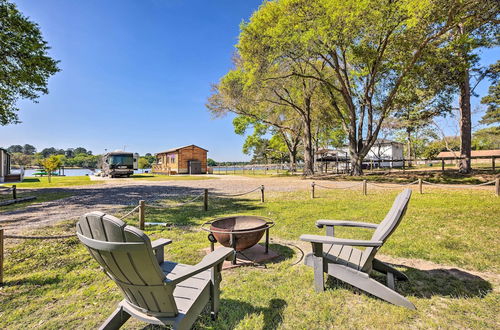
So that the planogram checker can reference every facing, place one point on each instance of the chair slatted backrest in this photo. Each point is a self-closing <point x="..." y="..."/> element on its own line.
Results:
<point x="125" y="254"/>
<point x="387" y="226"/>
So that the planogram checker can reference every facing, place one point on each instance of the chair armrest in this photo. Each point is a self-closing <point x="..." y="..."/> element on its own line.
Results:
<point x="158" y="248"/>
<point x="160" y="243"/>
<point x="210" y="260"/>
<point x="339" y="241"/>
<point x="345" y="223"/>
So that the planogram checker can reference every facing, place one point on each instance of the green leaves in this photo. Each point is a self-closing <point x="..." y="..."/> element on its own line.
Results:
<point x="25" y="66"/>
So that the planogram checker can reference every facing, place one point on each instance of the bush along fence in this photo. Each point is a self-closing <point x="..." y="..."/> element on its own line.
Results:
<point x="364" y="186"/>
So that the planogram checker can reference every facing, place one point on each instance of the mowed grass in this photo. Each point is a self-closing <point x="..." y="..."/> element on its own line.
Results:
<point x="56" y="284"/>
<point x="40" y="197"/>
<point x="433" y="176"/>
<point x="157" y="177"/>
<point x="56" y="181"/>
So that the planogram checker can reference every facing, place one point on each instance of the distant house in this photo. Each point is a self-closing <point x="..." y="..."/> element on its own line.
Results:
<point x="5" y="173"/>
<point x="183" y="160"/>
<point x="383" y="153"/>
<point x="390" y="151"/>
<point x="4" y="164"/>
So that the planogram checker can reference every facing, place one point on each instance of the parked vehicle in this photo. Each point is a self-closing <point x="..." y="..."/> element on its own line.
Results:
<point x="119" y="164"/>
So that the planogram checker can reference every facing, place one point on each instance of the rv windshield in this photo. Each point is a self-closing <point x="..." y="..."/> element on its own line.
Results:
<point x="121" y="160"/>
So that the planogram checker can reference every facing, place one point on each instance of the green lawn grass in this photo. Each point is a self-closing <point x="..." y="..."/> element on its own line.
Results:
<point x="40" y="197"/>
<point x="56" y="284"/>
<point x="158" y="177"/>
<point x="56" y="181"/>
<point x="434" y="176"/>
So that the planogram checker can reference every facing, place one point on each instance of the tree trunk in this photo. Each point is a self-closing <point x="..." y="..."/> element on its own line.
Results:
<point x="410" y="151"/>
<point x="293" y="159"/>
<point x="356" y="164"/>
<point x="308" y="150"/>
<point x="465" y="124"/>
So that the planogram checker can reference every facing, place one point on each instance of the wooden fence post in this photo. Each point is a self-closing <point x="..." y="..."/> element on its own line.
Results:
<point x="312" y="189"/>
<point x="1" y="256"/>
<point x="497" y="186"/>
<point x="262" y="194"/>
<point x="142" y="211"/>
<point x="14" y="191"/>
<point x="365" y="186"/>
<point x="420" y="185"/>
<point x="205" y="200"/>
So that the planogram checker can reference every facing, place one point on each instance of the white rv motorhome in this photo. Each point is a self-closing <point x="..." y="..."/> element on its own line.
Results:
<point x="119" y="163"/>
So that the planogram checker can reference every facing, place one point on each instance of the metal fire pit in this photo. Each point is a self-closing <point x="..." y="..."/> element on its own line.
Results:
<point x="239" y="232"/>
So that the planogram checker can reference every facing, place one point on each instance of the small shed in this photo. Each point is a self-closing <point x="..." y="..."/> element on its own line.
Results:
<point x="182" y="160"/>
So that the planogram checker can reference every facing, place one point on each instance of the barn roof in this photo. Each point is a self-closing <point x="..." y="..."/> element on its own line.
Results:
<point x="474" y="154"/>
<point x="179" y="148"/>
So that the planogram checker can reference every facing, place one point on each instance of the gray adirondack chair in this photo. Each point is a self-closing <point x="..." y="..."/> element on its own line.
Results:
<point x="339" y="258"/>
<point x="156" y="291"/>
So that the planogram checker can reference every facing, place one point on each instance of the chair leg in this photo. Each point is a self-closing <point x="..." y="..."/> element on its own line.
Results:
<point x="215" y="290"/>
<point x="115" y="320"/>
<point x="364" y="282"/>
<point x="319" y="267"/>
<point x="390" y="281"/>
<point x="384" y="268"/>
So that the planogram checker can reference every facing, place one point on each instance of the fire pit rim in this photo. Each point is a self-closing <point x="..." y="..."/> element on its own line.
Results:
<point x="269" y="224"/>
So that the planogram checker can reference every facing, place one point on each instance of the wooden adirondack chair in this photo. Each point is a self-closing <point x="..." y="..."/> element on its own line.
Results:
<point x="156" y="291"/>
<point x="338" y="258"/>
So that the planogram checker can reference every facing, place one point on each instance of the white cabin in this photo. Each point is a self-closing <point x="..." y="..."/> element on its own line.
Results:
<point x="4" y="164"/>
<point x="391" y="151"/>
<point x="383" y="154"/>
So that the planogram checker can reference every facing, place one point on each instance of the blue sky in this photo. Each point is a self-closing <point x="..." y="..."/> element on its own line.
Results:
<point x="136" y="74"/>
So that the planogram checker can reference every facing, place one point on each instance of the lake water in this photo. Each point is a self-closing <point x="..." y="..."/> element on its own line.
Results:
<point x="72" y="171"/>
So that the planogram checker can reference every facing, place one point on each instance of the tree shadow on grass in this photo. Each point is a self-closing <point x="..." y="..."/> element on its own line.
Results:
<point x="36" y="281"/>
<point x="233" y="311"/>
<point x="31" y="180"/>
<point x="451" y="283"/>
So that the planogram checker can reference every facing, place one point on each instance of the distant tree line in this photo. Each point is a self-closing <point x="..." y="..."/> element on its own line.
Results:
<point x="27" y="155"/>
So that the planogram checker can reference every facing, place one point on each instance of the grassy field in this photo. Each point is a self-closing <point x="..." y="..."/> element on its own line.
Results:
<point x="40" y="197"/>
<point x="434" y="176"/>
<point x="56" y="181"/>
<point x="156" y="177"/>
<point x="56" y="284"/>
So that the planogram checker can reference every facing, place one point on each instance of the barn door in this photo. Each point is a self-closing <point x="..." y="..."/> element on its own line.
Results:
<point x="194" y="167"/>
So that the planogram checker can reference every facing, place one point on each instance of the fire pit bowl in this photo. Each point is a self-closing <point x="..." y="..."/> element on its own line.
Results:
<point x="239" y="232"/>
